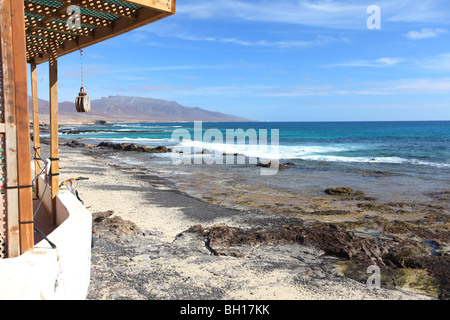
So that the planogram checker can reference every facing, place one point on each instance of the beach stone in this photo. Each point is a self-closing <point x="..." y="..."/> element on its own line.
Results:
<point x="271" y="164"/>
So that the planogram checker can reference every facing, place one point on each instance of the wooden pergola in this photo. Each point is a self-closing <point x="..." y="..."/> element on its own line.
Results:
<point x="34" y="32"/>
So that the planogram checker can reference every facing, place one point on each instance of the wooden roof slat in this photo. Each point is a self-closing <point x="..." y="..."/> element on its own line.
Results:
<point x="46" y="22"/>
<point x="87" y="21"/>
<point x="105" y="7"/>
<point x="61" y="26"/>
<point x="37" y="41"/>
<point x="53" y="34"/>
<point x="88" y="18"/>
<point x="95" y="21"/>
<point x="35" y="8"/>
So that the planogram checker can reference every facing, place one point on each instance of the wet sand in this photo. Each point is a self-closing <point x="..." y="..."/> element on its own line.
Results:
<point x="153" y="241"/>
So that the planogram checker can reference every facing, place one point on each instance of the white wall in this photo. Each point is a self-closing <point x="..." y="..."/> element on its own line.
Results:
<point x="47" y="273"/>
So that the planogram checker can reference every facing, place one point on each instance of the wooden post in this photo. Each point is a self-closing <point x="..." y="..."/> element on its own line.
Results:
<point x="12" y="195"/>
<point x="26" y="222"/>
<point x="36" y="137"/>
<point x="54" y="152"/>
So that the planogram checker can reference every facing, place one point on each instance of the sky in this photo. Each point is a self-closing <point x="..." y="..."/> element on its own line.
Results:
<point x="285" y="60"/>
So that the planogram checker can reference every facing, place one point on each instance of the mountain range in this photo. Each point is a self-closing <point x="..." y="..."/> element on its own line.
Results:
<point x="132" y="109"/>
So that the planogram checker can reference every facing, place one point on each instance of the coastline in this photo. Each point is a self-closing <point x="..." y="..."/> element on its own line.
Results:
<point x="150" y="244"/>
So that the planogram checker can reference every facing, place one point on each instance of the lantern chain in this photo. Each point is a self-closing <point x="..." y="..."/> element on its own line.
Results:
<point x="81" y="58"/>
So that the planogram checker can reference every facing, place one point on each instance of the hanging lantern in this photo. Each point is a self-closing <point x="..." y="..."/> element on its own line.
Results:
<point x="82" y="102"/>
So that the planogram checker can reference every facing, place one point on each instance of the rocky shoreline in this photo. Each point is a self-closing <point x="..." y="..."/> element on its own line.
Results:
<point x="406" y="262"/>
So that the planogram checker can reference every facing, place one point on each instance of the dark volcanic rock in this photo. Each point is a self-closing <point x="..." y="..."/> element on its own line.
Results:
<point x="330" y="212"/>
<point x="359" y="252"/>
<point x="332" y="241"/>
<point x="114" y="228"/>
<point x="77" y="144"/>
<point x="341" y="191"/>
<point x="347" y="193"/>
<point x="133" y="147"/>
<point x="160" y="149"/>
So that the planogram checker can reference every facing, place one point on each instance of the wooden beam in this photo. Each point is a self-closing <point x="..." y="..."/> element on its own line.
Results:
<point x="26" y="223"/>
<point x="54" y="152"/>
<point x="8" y="87"/>
<point x="162" y="5"/>
<point x="36" y="136"/>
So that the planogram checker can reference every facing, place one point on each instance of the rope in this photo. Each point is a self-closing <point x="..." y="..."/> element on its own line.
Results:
<point x="81" y="58"/>
<point x="37" y="156"/>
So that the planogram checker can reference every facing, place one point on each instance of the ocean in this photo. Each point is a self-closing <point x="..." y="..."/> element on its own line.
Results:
<point x="393" y="161"/>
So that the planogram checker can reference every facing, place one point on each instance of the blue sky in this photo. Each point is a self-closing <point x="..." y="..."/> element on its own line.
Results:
<point x="286" y="60"/>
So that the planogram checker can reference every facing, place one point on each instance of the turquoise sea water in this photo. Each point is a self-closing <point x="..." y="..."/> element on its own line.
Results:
<point x="419" y="143"/>
<point x="383" y="158"/>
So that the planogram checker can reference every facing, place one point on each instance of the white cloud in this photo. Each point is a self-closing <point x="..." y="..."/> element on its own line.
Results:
<point x="421" y="86"/>
<point x="340" y="14"/>
<point x="319" y="40"/>
<point x="377" y="63"/>
<point x="131" y="70"/>
<point x="381" y="88"/>
<point x="425" y="33"/>
<point x="181" y="32"/>
<point x="439" y="62"/>
<point x="317" y="13"/>
<point x="146" y="88"/>
<point x="404" y="86"/>
<point x="418" y="11"/>
<point x="407" y="106"/>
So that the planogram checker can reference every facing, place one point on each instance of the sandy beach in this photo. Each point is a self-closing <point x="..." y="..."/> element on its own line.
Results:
<point x="150" y="243"/>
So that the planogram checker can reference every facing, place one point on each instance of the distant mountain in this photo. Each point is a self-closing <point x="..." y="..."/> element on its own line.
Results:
<point x="133" y="109"/>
